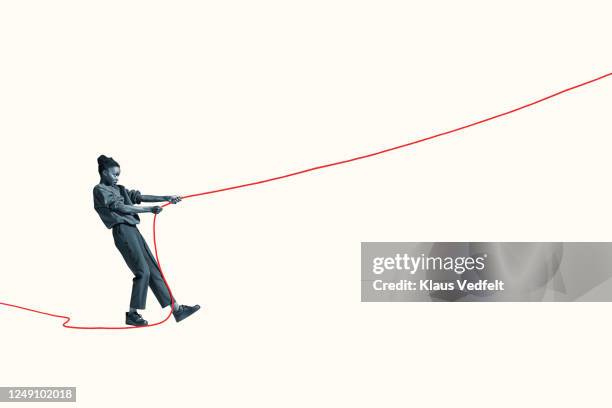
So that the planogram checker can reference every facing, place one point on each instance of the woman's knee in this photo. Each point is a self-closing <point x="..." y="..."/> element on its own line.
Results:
<point x="142" y="274"/>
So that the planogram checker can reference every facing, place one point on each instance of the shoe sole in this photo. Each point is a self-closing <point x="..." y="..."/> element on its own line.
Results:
<point x="137" y="324"/>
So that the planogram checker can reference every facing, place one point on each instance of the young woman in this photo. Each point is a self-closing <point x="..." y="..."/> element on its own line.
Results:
<point x="115" y="206"/>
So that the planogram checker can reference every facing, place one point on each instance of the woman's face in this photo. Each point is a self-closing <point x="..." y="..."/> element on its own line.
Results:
<point x="111" y="175"/>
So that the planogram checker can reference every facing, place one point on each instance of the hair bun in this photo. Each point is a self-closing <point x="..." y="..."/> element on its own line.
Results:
<point x="102" y="159"/>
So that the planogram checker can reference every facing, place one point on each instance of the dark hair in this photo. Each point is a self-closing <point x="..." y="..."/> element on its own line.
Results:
<point x="106" y="163"/>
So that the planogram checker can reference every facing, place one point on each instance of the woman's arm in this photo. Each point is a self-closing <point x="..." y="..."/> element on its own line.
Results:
<point x="156" y="199"/>
<point x="134" y="209"/>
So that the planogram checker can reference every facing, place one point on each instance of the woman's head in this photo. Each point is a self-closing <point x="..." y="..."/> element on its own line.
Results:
<point x="109" y="170"/>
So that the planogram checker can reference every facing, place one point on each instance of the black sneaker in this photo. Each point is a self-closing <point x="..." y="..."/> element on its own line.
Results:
<point x="184" y="312"/>
<point x="135" y="319"/>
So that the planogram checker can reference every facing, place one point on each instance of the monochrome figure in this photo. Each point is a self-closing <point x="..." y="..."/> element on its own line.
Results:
<point x="116" y="207"/>
<point x="528" y="270"/>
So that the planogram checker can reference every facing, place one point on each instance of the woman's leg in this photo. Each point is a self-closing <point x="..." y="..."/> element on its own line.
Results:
<point x="156" y="281"/>
<point x="127" y="240"/>
<point x="161" y="290"/>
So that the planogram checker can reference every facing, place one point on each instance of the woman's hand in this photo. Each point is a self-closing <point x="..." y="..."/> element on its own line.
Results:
<point x="156" y="209"/>
<point x="174" y="199"/>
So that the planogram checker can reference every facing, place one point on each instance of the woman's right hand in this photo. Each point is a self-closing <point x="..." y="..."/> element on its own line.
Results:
<point x="156" y="209"/>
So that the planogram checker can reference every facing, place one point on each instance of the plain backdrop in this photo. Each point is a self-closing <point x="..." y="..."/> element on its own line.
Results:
<point x="191" y="96"/>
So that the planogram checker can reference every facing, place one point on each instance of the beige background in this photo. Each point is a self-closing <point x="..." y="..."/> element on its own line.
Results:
<point x="190" y="96"/>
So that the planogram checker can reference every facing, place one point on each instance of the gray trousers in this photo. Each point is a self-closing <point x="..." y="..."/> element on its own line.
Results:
<point x="141" y="261"/>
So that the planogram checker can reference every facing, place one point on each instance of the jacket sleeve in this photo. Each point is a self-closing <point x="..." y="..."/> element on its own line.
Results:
<point x="104" y="198"/>
<point x="135" y="196"/>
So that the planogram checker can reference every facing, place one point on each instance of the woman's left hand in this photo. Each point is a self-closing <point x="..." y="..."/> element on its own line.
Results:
<point x="174" y="199"/>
